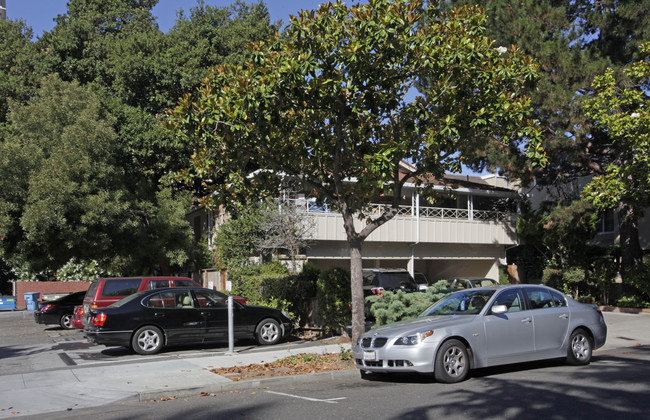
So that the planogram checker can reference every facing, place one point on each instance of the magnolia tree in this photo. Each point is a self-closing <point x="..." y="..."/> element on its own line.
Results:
<point x="330" y="104"/>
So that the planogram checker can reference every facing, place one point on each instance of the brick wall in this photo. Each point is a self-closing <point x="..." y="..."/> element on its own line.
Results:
<point x="43" y="287"/>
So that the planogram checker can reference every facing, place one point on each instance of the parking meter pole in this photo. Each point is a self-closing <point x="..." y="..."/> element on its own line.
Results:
<point x="231" y="332"/>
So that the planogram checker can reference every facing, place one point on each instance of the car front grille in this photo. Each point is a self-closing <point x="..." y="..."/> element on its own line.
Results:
<point x="380" y="363"/>
<point x="376" y="342"/>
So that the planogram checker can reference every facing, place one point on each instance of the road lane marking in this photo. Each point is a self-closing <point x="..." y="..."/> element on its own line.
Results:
<point x="329" y="400"/>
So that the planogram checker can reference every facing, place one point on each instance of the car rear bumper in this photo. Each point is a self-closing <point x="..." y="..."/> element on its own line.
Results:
<point x="109" y="338"/>
<point x="45" y="318"/>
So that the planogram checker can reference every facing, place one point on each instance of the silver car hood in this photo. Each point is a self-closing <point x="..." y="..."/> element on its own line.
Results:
<point x="401" y="328"/>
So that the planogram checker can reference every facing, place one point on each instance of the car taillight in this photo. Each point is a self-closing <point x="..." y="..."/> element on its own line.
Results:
<point x="379" y="291"/>
<point x="47" y="307"/>
<point x="99" y="319"/>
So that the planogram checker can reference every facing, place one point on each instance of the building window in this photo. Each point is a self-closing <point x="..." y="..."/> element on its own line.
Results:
<point x="606" y="223"/>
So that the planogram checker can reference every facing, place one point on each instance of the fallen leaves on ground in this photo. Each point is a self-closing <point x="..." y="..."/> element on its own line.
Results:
<point x="299" y="364"/>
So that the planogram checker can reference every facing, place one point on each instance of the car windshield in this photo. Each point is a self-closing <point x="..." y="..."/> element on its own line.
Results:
<point x="469" y="302"/>
<point x="395" y="280"/>
<point x="483" y="282"/>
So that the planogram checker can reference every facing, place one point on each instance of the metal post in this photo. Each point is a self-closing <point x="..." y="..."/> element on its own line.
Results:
<point x="231" y="332"/>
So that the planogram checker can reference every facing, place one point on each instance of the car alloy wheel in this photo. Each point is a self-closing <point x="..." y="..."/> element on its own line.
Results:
<point x="580" y="346"/>
<point x="147" y="340"/>
<point x="268" y="332"/>
<point x="66" y="322"/>
<point x="452" y="362"/>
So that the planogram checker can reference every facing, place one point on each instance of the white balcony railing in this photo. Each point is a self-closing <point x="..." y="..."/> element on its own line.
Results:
<point x="375" y="210"/>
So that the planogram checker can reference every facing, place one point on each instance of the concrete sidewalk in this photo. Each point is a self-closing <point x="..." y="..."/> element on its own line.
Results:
<point x="88" y="386"/>
<point x="93" y="385"/>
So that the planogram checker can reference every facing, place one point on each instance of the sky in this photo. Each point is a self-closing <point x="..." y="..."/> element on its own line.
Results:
<point x="40" y="14"/>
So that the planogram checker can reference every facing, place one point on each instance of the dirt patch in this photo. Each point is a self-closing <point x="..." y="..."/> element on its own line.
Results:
<point x="299" y="364"/>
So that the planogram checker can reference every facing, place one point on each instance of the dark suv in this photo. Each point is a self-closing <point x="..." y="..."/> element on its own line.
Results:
<point x="376" y="280"/>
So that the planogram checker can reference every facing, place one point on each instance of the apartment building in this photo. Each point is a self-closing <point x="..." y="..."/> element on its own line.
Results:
<point x="466" y="232"/>
<point x="3" y="9"/>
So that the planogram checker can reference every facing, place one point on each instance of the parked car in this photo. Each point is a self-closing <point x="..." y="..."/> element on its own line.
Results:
<point x="59" y="311"/>
<point x="149" y="320"/>
<point x="421" y="280"/>
<point x="378" y="280"/>
<point x="77" y="315"/>
<point x="481" y="327"/>
<point x="106" y="291"/>
<point x="470" y="282"/>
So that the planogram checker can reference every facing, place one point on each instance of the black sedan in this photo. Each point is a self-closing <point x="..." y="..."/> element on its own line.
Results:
<point x="149" y="320"/>
<point x="59" y="311"/>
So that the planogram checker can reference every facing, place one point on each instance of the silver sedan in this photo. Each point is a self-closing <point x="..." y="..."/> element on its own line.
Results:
<point x="483" y="327"/>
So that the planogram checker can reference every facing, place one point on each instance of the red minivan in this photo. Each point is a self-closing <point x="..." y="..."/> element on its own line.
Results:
<point x="104" y="291"/>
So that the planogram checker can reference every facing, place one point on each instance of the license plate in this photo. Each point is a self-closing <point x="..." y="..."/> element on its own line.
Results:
<point x="370" y="355"/>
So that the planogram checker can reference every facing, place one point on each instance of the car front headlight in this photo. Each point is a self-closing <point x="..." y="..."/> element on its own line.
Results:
<point x="412" y="340"/>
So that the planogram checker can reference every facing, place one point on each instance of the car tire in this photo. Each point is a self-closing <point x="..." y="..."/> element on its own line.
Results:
<point x="452" y="362"/>
<point x="580" y="348"/>
<point x="147" y="340"/>
<point x="268" y="332"/>
<point x="66" y="322"/>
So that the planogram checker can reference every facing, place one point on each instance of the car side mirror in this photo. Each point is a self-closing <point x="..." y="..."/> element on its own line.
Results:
<point x="498" y="309"/>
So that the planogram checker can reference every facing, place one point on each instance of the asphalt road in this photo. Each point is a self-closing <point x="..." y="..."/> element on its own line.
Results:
<point x="615" y="385"/>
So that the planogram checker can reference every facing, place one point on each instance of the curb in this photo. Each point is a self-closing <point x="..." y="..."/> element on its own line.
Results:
<point x="218" y="388"/>
<point x="624" y="310"/>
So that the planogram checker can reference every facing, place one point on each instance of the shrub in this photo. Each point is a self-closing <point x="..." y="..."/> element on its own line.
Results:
<point x="75" y="270"/>
<point x="632" y="301"/>
<point x="334" y="298"/>
<point x="639" y="278"/>
<point x="271" y="285"/>
<point x="265" y="284"/>
<point x="570" y="280"/>
<point x="397" y="306"/>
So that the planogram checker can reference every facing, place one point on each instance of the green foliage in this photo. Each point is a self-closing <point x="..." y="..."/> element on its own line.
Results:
<point x="602" y="274"/>
<point x="567" y="229"/>
<point x="204" y="255"/>
<point x="639" y="278"/>
<point x="259" y="283"/>
<point x="75" y="270"/>
<point x="620" y="109"/>
<point x="18" y="59"/>
<point x="333" y="293"/>
<point x="83" y="155"/>
<point x="568" y="280"/>
<point x="64" y="193"/>
<point x="25" y="273"/>
<point x="397" y="306"/>
<point x="345" y="354"/>
<point x="554" y="238"/>
<point x="271" y="284"/>
<point x="236" y="238"/>
<point x="633" y="301"/>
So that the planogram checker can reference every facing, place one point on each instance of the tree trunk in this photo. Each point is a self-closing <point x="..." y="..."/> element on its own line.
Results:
<point x="356" y="284"/>
<point x="631" y="252"/>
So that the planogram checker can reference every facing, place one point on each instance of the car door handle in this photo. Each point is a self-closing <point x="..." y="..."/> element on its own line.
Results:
<point x="564" y="316"/>
<point x="159" y="314"/>
<point x="527" y="320"/>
